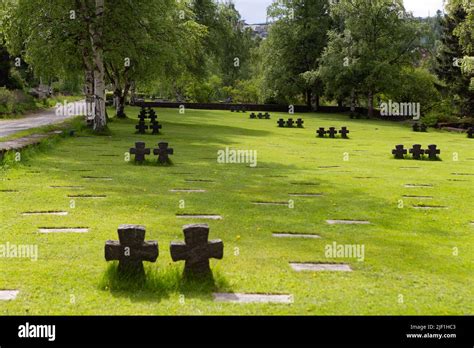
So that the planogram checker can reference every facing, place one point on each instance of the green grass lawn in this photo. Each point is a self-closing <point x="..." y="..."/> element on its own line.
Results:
<point x="410" y="254"/>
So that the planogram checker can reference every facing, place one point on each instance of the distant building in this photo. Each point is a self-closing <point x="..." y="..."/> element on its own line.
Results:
<point x="259" y="30"/>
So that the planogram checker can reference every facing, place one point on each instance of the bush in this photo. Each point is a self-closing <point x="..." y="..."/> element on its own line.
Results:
<point x="15" y="102"/>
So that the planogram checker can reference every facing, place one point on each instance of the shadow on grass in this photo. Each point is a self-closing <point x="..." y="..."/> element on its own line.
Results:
<point x="158" y="284"/>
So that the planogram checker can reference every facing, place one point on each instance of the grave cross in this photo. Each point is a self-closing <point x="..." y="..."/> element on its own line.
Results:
<point x="141" y="127"/>
<point x="152" y="115"/>
<point x="131" y="249"/>
<point x="332" y="132"/>
<point x="196" y="250"/>
<point x="423" y="128"/>
<point x="416" y="127"/>
<point x="432" y="152"/>
<point x="321" y="132"/>
<point x="417" y="151"/>
<point x="252" y="115"/>
<point x="344" y="131"/>
<point x="290" y="122"/>
<point x="155" y="126"/>
<point x="399" y="152"/>
<point x="470" y="132"/>
<point x="281" y="122"/>
<point x="299" y="123"/>
<point x="139" y="151"/>
<point x="143" y="115"/>
<point x="260" y="115"/>
<point x="163" y="151"/>
<point x="266" y="116"/>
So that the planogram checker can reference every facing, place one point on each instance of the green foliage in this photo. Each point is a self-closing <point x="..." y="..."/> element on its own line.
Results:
<point x="15" y="102"/>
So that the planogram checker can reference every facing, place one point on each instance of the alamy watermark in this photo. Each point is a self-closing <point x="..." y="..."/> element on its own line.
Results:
<point x="25" y="251"/>
<point x="348" y="251"/>
<point x="400" y="109"/>
<point x="67" y="109"/>
<point x="237" y="156"/>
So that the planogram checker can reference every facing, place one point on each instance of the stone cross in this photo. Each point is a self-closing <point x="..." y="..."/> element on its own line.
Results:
<point x="141" y="127"/>
<point x="470" y="132"/>
<point x="163" y="151"/>
<point x="332" y="132"/>
<point x="196" y="250"/>
<point x="152" y="115"/>
<point x="139" y="151"/>
<point x="143" y="115"/>
<point x="290" y="122"/>
<point x="155" y="126"/>
<point x="423" y="127"/>
<point x="399" y="152"/>
<point x="417" y="151"/>
<point x="252" y="115"/>
<point x="131" y="249"/>
<point x="299" y="123"/>
<point x="260" y="115"/>
<point x="344" y="131"/>
<point x="416" y="127"/>
<point x="432" y="152"/>
<point x="321" y="132"/>
<point x="281" y="122"/>
<point x="266" y="116"/>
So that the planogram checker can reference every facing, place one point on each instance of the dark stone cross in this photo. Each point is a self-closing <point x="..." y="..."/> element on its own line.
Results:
<point x="152" y="115"/>
<point x="163" y="151"/>
<point x="252" y="115"/>
<point x="232" y="108"/>
<point x="197" y="250"/>
<point x="332" y="132"/>
<point x="155" y="126"/>
<point x="299" y="123"/>
<point x="432" y="152"/>
<point x="423" y="128"/>
<point x="416" y="127"/>
<point x="143" y="115"/>
<point x="321" y="132"/>
<point x="141" y="127"/>
<point x="470" y="132"/>
<point x="417" y="151"/>
<point x="290" y="122"/>
<point x="344" y="131"/>
<point x="266" y="116"/>
<point x="281" y="122"/>
<point x="131" y="249"/>
<point x="260" y="115"/>
<point x="139" y="151"/>
<point x="399" y="152"/>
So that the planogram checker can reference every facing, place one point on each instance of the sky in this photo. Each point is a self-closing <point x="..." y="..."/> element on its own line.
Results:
<point x="254" y="11"/>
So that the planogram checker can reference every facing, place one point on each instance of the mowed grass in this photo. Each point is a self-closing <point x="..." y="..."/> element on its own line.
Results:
<point x="416" y="261"/>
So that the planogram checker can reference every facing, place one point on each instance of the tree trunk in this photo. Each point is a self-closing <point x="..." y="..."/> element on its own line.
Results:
<point x="100" y="119"/>
<point x="370" y="104"/>
<point x="308" y="99"/>
<point x="121" y="98"/>
<point x="353" y="102"/>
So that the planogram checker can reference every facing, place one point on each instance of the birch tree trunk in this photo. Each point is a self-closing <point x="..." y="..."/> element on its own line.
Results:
<point x="96" y="31"/>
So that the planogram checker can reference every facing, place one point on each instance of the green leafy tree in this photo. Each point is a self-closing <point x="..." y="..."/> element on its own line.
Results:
<point x="296" y="41"/>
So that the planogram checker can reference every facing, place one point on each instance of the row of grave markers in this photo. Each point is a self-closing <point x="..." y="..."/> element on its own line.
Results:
<point x="163" y="151"/>
<point x="150" y="114"/>
<point x="417" y="152"/>
<point x="131" y="250"/>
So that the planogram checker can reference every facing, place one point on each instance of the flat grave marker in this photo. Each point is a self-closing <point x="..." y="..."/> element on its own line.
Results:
<point x="199" y="216"/>
<point x="8" y="295"/>
<point x="295" y="235"/>
<point x="348" y="222"/>
<point x="63" y="229"/>
<point x="252" y="298"/>
<point x="320" y="267"/>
